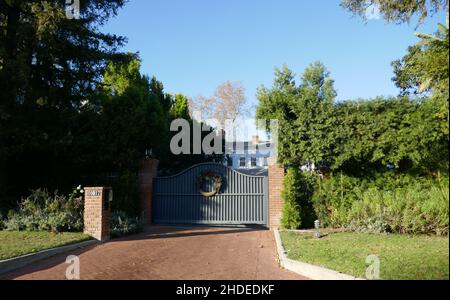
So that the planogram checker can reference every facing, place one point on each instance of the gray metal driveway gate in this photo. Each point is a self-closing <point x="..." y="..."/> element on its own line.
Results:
<point x="241" y="200"/>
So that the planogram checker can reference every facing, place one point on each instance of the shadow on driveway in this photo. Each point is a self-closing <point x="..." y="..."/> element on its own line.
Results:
<point x="175" y="231"/>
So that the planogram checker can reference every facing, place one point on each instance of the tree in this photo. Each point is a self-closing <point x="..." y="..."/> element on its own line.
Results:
<point x="180" y="108"/>
<point x="171" y="163"/>
<point x="228" y="103"/>
<point x="68" y="55"/>
<point x="120" y="76"/>
<point x="425" y="68"/>
<point x="424" y="72"/>
<point x="136" y="115"/>
<point x="50" y="67"/>
<point x="304" y="112"/>
<point x="133" y="117"/>
<point x="397" y="11"/>
<point x="73" y="109"/>
<point x="356" y="137"/>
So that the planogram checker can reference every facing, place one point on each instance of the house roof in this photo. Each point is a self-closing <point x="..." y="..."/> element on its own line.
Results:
<point x="245" y="147"/>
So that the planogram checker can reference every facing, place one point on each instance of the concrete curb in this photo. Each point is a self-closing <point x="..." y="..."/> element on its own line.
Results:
<point x="15" y="263"/>
<point x="305" y="269"/>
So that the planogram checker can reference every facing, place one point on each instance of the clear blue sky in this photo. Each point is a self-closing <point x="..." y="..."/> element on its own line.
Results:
<point x="194" y="45"/>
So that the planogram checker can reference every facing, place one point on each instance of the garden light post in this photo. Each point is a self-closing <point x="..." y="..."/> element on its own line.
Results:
<point x="148" y="153"/>
<point x="317" y="227"/>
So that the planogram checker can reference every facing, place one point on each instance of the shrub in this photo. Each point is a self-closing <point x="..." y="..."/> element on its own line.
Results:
<point x="126" y="193"/>
<point x="333" y="198"/>
<point x="390" y="202"/>
<point x="122" y="224"/>
<point x="291" y="210"/>
<point x="42" y="211"/>
<point x="297" y="193"/>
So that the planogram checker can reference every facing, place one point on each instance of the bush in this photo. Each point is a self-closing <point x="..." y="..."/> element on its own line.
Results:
<point x="333" y="198"/>
<point x="126" y="194"/>
<point x="44" y="212"/>
<point x="125" y="185"/>
<point x="297" y="193"/>
<point x="122" y="224"/>
<point x="389" y="202"/>
<point x="291" y="210"/>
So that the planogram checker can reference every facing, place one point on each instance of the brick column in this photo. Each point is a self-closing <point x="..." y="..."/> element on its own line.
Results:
<point x="276" y="178"/>
<point x="97" y="212"/>
<point x="147" y="171"/>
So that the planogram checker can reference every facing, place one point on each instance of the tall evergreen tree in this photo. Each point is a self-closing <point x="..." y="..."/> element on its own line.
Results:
<point x="50" y="67"/>
<point x="304" y="112"/>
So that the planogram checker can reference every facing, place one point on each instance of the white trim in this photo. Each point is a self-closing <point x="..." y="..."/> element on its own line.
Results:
<point x="16" y="263"/>
<point x="305" y="269"/>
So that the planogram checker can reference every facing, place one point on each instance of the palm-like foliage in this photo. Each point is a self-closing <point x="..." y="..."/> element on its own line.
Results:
<point x="439" y="40"/>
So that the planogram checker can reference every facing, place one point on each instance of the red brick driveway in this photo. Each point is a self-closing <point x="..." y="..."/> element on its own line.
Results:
<point x="184" y="253"/>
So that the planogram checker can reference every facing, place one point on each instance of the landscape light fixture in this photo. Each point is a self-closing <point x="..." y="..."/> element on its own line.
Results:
<point x="148" y="153"/>
<point x="317" y="227"/>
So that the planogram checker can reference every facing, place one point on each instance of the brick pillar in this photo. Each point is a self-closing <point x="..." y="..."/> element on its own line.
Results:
<point x="147" y="171"/>
<point x="276" y="178"/>
<point x="97" y="212"/>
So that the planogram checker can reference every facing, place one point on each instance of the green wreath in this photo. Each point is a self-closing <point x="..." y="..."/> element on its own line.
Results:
<point x="209" y="175"/>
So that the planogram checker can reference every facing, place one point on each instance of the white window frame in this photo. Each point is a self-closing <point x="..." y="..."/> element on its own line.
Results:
<point x="244" y="160"/>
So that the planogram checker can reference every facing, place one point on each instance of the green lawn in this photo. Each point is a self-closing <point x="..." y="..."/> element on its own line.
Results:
<point x="15" y="243"/>
<point x="401" y="257"/>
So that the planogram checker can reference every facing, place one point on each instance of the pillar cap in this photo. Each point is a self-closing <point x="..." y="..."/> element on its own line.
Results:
<point x="96" y="187"/>
<point x="149" y="163"/>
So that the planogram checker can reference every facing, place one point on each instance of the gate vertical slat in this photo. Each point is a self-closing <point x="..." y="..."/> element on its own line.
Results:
<point x="242" y="200"/>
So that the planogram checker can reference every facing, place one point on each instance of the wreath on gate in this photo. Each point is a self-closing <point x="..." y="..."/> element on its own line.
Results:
<point x="209" y="175"/>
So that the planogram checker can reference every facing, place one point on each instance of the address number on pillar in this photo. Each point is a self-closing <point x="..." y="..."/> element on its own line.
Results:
<point x="94" y="193"/>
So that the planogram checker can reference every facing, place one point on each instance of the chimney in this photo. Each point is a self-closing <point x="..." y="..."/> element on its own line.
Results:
<point x="255" y="140"/>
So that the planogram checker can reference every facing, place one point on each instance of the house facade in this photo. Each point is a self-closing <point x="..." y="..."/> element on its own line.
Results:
<point x="251" y="155"/>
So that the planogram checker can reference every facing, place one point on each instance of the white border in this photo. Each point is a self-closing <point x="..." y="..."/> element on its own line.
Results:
<point x="305" y="269"/>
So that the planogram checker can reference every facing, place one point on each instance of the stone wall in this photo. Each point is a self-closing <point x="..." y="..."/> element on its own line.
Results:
<point x="147" y="171"/>
<point x="97" y="212"/>
<point x="276" y="178"/>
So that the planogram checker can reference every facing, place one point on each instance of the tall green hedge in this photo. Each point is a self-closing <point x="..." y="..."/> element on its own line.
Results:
<point x="297" y="194"/>
<point x="291" y="210"/>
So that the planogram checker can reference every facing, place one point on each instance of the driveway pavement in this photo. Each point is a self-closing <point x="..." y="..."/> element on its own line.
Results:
<point x="183" y="253"/>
